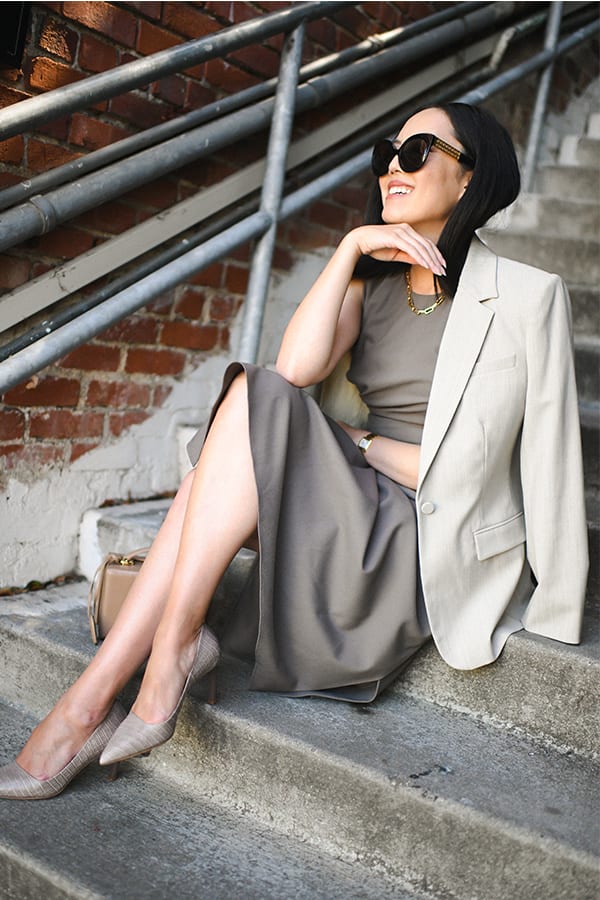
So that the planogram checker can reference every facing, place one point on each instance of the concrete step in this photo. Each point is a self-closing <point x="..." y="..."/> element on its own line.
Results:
<point x="590" y="438"/>
<point x="426" y="795"/>
<point x="558" y="216"/>
<point x="144" y="836"/>
<point x="45" y="642"/>
<point x="587" y="368"/>
<point x="571" y="182"/>
<point x="593" y="127"/>
<point x="576" y="150"/>
<point x="585" y="301"/>
<point x="575" y="259"/>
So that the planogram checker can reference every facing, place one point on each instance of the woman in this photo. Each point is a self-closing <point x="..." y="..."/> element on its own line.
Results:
<point x="466" y="524"/>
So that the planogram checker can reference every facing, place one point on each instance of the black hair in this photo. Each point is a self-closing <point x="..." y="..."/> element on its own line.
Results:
<point x="494" y="185"/>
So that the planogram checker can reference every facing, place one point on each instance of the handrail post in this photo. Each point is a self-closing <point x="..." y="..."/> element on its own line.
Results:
<point x="539" y="110"/>
<point x="279" y="138"/>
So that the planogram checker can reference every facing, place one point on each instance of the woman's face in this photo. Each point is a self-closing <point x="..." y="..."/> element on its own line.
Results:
<point x="425" y="198"/>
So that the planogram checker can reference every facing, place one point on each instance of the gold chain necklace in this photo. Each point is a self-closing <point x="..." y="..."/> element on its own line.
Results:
<point x="439" y="299"/>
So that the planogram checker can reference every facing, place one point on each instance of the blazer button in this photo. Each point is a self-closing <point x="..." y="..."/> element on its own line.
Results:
<point x="427" y="508"/>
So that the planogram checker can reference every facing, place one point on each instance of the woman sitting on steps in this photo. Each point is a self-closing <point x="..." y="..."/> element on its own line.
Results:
<point x="456" y="513"/>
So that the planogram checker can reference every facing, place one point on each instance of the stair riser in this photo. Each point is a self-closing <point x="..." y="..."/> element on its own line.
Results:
<point x="503" y="694"/>
<point x="587" y="371"/>
<point x="586" y="310"/>
<point x="590" y="440"/>
<point x="436" y="846"/>
<point x="582" y="151"/>
<point x="551" y="215"/>
<point x="576" y="261"/>
<point x="20" y="879"/>
<point x="569" y="182"/>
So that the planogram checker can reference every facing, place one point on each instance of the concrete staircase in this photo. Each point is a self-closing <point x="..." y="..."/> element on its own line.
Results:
<point x="477" y="786"/>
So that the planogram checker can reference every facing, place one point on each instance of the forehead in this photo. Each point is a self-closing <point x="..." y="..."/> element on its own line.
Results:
<point x="430" y="121"/>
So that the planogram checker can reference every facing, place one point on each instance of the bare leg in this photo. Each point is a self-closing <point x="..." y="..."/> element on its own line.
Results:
<point x="221" y="517"/>
<point x="211" y="517"/>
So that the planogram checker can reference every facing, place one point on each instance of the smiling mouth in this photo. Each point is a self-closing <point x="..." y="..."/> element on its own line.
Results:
<point x="399" y="189"/>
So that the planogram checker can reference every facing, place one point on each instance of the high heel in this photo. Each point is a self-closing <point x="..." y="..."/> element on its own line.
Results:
<point x="136" y="737"/>
<point x="17" y="784"/>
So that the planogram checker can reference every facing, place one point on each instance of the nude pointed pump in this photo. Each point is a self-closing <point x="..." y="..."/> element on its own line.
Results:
<point x="136" y="737"/>
<point x="17" y="784"/>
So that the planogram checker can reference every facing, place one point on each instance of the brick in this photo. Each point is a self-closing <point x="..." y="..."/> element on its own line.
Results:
<point x="133" y="330"/>
<point x="118" y="394"/>
<point x="12" y="425"/>
<point x="93" y="133"/>
<point x="58" y="129"/>
<point x="66" y="424"/>
<point x="157" y="195"/>
<point x="148" y="10"/>
<point x="172" y="90"/>
<point x="79" y="448"/>
<point x="191" y="304"/>
<point x="282" y="259"/>
<point x="197" y="95"/>
<point x="104" y="18"/>
<point x="46" y="391"/>
<point x="231" y="79"/>
<point x="7" y="179"/>
<point x="9" y="95"/>
<point x="160" y="394"/>
<point x="92" y="358"/>
<point x="189" y="336"/>
<point x="187" y="21"/>
<point x="13" y="272"/>
<point x="59" y="40"/>
<point x="236" y="279"/>
<point x="110" y="218"/>
<point x="47" y="74"/>
<point x="65" y="243"/>
<point x="120" y="422"/>
<point x="42" y="155"/>
<point x="258" y="59"/>
<point x="138" y="110"/>
<point x="11" y="150"/>
<point x="327" y="214"/>
<point x="155" y="362"/>
<point x="323" y="32"/>
<point x="152" y="39"/>
<point x="223" y="308"/>
<point x="32" y="456"/>
<point x="96" y="55"/>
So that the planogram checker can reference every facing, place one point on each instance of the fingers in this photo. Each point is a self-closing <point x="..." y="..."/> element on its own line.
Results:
<point x="422" y="250"/>
<point x="401" y="243"/>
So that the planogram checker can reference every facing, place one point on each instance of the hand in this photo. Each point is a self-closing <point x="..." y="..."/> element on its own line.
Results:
<point x="398" y="243"/>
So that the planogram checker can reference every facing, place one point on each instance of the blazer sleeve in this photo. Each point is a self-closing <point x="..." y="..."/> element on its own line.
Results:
<point x="552" y="472"/>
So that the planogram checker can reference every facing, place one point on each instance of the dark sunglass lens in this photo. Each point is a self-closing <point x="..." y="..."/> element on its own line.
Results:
<point x="413" y="153"/>
<point x="383" y="153"/>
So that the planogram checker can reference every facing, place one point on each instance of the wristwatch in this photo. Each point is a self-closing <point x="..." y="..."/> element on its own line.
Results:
<point x="365" y="442"/>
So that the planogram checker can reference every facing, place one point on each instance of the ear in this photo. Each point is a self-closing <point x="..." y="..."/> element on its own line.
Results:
<point x="467" y="180"/>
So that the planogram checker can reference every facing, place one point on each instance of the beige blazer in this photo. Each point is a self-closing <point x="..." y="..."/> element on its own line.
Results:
<point x="500" y="501"/>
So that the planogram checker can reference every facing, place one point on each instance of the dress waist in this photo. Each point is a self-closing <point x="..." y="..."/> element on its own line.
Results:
<point x="410" y="432"/>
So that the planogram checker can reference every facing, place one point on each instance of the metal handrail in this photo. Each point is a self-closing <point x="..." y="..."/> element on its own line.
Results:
<point x="93" y="321"/>
<point x="52" y="347"/>
<point x="42" y="213"/>
<point x="37" y="110"/>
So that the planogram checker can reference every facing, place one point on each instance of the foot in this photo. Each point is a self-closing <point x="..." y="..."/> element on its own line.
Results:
<point x="166" y="673"/>
<point x="57" y="739"/>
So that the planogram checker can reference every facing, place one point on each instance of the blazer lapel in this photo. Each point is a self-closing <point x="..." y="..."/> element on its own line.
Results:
<point x="461" y="343"/>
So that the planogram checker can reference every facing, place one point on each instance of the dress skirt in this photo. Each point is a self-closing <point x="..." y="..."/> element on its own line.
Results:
<point x="335" y="605"/>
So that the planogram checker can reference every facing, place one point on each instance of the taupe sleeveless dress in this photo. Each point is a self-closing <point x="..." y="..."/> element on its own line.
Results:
<point x="335" y="606"/>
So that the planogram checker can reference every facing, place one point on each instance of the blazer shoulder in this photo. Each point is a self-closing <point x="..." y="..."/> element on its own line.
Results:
<point x="528" y="287"/>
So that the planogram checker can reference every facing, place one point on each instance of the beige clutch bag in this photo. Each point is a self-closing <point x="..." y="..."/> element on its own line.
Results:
<point x="110" y="585"/>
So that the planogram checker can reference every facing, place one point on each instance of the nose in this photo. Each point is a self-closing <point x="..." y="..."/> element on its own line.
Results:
<point x="394" y="165"/>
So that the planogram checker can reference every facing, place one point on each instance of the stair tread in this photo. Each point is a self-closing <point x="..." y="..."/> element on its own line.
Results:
<point x="144" y="837"/>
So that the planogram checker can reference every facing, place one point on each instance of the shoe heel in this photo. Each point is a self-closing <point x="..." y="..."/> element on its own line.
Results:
<point x="113" y="772"/>
<point x="212" y="687"/>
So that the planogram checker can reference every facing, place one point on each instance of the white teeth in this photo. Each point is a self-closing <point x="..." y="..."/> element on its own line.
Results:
<point x="400" y="190"/>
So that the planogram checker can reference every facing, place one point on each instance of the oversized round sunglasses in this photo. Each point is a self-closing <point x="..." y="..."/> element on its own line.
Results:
<point x="412" y="153"/>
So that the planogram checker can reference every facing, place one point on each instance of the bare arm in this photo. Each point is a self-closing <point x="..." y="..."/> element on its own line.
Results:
<point x="327" y="322"/>
<point x="396" y="459"/>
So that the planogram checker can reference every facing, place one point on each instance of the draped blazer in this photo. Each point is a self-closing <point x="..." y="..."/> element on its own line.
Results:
<point x="500" y="500"/>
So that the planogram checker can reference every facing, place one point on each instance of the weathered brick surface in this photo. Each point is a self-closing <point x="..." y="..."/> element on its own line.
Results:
<point x="95" y="393"/>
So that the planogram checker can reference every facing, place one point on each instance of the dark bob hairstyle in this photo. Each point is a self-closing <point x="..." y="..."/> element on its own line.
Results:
<point x="494" y="185"/>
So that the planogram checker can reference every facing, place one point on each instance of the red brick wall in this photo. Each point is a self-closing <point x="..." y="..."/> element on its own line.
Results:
<point x="121" y="377"/>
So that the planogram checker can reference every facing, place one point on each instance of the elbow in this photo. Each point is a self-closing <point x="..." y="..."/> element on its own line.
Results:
<point x="293" y="372"/>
